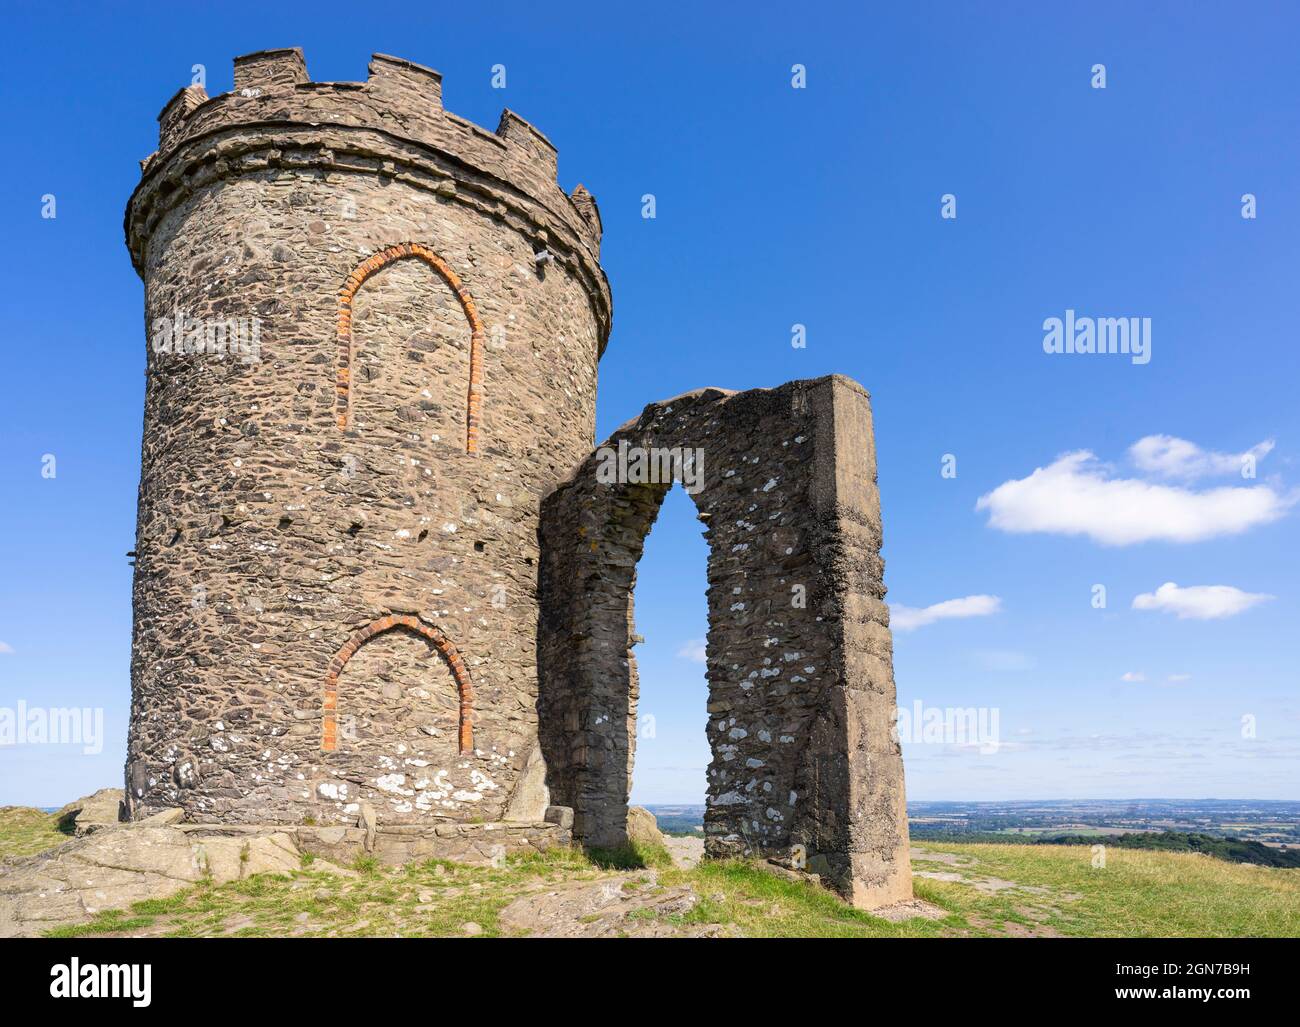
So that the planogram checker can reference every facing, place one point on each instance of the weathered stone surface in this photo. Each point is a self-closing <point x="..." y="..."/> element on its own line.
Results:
<point x="531" y="797"/>
<point x="686" y="852"/>
<point x="91" y="811"/>
<point x="118" y="865"/>
<point x="368" y="821"/>
<point x="233" y="858"/>
<point x="805" y="765"/>
<point x="164" y="819"/>
<point x="624" y="906"/>
<point x="643" y="828"/>
<point x="560" y="815"/>
<point x="472" y="844"/>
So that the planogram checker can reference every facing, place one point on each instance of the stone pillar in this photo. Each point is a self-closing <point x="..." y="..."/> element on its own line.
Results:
<point x="856" y="834"/>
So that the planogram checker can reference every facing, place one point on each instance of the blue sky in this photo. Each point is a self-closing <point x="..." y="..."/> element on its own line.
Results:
<point x="775" y="206"/>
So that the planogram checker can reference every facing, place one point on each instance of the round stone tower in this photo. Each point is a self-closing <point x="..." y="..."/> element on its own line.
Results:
<point x="373" y="331"/>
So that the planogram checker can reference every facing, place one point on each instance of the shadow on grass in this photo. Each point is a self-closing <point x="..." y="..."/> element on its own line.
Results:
<point x="632" y="856"/>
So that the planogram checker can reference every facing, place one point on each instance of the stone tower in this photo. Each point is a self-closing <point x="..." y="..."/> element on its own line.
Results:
<point x="373" y="336"/>
<point x="380" y="572"/>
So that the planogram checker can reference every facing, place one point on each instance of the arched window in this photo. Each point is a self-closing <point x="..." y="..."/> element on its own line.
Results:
<point x="448" y="651"/>
<point x="474" y="400"/>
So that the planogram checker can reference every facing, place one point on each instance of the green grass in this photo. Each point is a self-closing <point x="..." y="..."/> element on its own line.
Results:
<point x="1139" y="893"/>
<point x="25" y="831"/>
<point x="1045" y="889"/>
<point x="379" y="901"/>
<point x="755" y="903"/>
<point x="632" y="856"/>
<point x="1026" y="889"/>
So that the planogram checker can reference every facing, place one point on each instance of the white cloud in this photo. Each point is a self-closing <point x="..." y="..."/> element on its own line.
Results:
<point x="1179" y="677"/>
<point x="990" y="747"/>
<point x="906" y="618"/>
<point x="5" y="647"/>
<point x="1199" y="602"/>
<point x="1133" y="675"/>
<point x="1171" y="457"/>
<point x="693" y="650"/>
<point x="1076" y="495"/>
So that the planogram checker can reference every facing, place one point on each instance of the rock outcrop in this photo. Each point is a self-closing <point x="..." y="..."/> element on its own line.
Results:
<point x="91" y="811"/>
<point x="643" y="828"/>
<point x="115" y="866"/>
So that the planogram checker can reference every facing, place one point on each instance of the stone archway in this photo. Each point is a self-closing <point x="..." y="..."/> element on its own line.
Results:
<point x="801" y="691"/>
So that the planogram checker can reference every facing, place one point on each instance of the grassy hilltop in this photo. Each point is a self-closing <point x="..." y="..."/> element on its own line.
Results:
<point x="965" y="890"/>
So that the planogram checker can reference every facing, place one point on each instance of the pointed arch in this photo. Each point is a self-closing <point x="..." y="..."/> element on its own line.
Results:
<point x="802" y="699"/>
<point x="330" y="705"/>
<point x="358" y="277"/>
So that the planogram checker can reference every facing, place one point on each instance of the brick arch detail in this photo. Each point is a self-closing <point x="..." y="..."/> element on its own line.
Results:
<point x="448" y="651"/>
<point x="358" y="277"/>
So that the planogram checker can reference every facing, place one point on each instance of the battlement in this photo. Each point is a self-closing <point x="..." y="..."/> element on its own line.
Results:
<point x="398" y="96"/>
<point x="392" y="125"/>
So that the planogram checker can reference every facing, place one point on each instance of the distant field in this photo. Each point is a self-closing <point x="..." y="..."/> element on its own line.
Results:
<point x="1272" y="822"/>
<point x="1069" y="829"/>
<point x="679" y="820"/>
<point x="1220" y="828"/>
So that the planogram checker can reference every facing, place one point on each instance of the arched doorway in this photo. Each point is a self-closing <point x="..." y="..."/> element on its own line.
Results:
<point x="671" y="755"/>
<point x="800" y="688"/>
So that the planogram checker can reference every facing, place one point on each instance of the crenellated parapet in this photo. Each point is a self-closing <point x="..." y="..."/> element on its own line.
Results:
<point x="393" y="126"/>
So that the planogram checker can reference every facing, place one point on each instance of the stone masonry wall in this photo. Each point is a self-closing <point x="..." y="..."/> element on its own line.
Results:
<point x="801" y="690"/>
<point x="313" y="593"/>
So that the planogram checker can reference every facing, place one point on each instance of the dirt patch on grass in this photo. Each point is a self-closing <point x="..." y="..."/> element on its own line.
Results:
<point x="619" y="906"/>
<point x="923" y="855"/>
<point x="685" y="852"/>
<point x="901" y="911"/>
